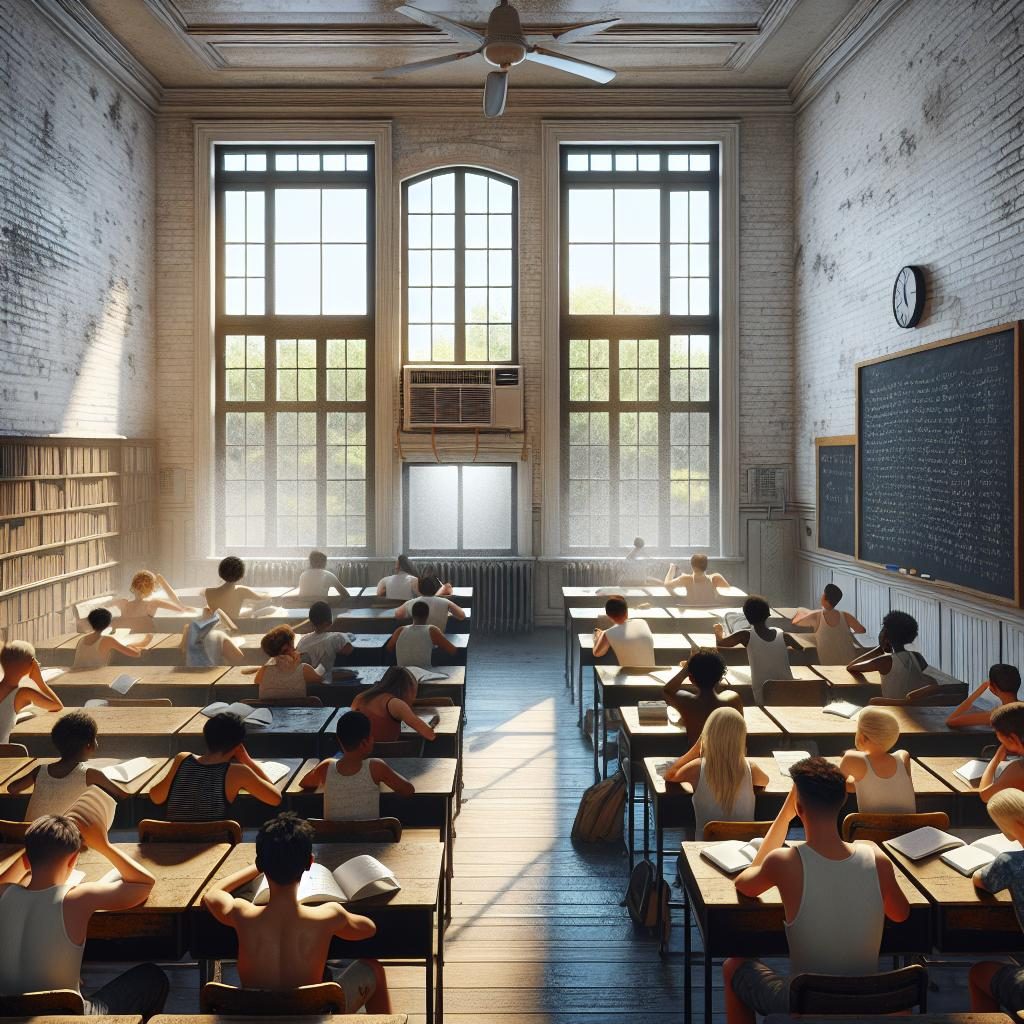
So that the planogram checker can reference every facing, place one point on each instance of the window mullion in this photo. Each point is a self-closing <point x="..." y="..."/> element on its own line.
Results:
<point x="460" y="271"/>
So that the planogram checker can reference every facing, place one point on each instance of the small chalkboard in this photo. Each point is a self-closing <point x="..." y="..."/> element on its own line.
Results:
<point x="938" y="443"/>
<point x="836" y="504"/>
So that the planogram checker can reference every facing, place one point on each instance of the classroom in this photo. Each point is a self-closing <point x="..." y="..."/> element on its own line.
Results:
<point x="511" y="511"/>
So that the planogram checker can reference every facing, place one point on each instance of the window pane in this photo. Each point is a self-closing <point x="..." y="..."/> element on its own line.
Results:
<point x="297" y="215"/>
<point x="297" y="280"/>
<point x="590" y="215"/>
<point x="433" y="502"/>
<point x="486" y="508"/>
<point x="344" y="215"/>
<point x="344" y="289"/>
<point x="591" y="279"/>
<point x="637" y="279"/>
<point x="637" y="215"/>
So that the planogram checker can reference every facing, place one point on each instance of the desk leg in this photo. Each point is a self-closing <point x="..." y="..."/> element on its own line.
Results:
<point x="597" y="733"/>
<point x="440" y="973"/>
<point x="579" y="688"/>
<point x="449" y="867"/>
<point x="687" y="965"/>
<point x="707" y="986"/>
<point x="431" y="995"/>
<point x="627" y="768"/>
<point x="647" y="825"/>
<point x="567" y="630"/>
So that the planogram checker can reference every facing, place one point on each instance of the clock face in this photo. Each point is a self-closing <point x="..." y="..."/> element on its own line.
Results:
<point x="908" y="296"/>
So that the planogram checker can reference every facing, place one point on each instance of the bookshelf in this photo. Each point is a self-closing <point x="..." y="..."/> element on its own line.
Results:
<point x="76" y="517"/>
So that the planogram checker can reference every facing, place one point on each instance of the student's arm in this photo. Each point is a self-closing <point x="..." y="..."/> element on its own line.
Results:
<point x="310" y="674"/>
<point x="315" y="777"/>
<point x="382" y="772"/>
<point x="446" y="590"/>
<point x="94" y="777"/>
<point x="791" y="643"/>
<point x="806" y="617"/>
<point x="853" y="765"/>
<point x="382" y="588"/>
<point x="392" y="640"/>
<point x="397" y="708"/>
<point x="404" y="611"/>
<point x="601" y="643"/>
<point x="39" y="693"/>
<point x="162" y="583"/>
<point x="218" y="899"/>
<point x="350" y="926"/>
<point x="128" y="650"/>
<point x="135" y="884"/>
<point x="231" y="652"/>
<point x="22" y="782"/>
<point x="758" y="776"/>
<point x="336" y="583"/>
<point x="441" y="641"/>
<point x="226" y="621"/>
<point x="676" y="683"/>
<point x="675" y="769"/>
<point x="162" y="787"/>
<point x="994" y="877"/>
<point x="718" y="580"/>
<point x="961" y="716"/>
<point x="248" y="594"/>
<point x="258" y="675"/>
<point x="737" y="639"/>
<point x="894" y="902"/>
<point x="853" y="624"/>
<point x="251" y="778"/>
<point x="872" y="661"/>
<point x="170" y="606"/>
<point x="456" y="610"/>
<point x="761" y="876"/>
<point x="1012" y="777"/>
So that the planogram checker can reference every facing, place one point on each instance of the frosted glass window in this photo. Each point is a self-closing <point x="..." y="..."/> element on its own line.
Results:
<point x="487" y="507"/>
<point x="433" y="507"/>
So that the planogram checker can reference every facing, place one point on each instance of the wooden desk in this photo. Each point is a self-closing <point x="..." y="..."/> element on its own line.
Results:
<point x="213" y="1018"/>
<point x="293" y="599"/>
<point x="133" y="788"/>
<point x="382" y="620"/>
<point x="409" y="921"/>
<point x="295" y="732"/>
<point x="60" y="650"/>
<point x="735" y="925"/>
<point x="922" y="731"/>
<point x="50" y="1018"/>
<point x="968" y="810"/>
<point x="258" y="621"/>
<point x="184" y="687"/>
<point x="738" y="679"/>
<point x="738" y="655"/>
<point x="369" y="649"/>
<point x="196" y="596"/>
<point x="856" y="687"/>
<point x="462" y="596"/>
<point x="870" y="1018"/>
<point x="965" y="920"/>
<point x="123" y="732"/>
<point x="12" y="767"/>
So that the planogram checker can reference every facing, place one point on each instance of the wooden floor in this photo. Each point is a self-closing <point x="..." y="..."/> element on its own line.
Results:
<point x="537" y="933"/>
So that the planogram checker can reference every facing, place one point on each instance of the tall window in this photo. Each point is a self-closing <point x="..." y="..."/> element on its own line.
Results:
<point x="460" y="267"/>
<point x="294" y="237"/>
<point x="639" y="343"/>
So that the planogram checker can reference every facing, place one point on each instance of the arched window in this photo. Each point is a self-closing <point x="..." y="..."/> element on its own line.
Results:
<point x="460" y="273"/>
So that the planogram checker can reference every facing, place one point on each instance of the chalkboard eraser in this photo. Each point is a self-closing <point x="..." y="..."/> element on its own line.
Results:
<point x="927" y="576"/>
<point x="893" y="568"/>
<point x="904" y="572"/>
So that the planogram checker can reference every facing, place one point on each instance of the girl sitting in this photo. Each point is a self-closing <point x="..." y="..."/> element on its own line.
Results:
<point x="137" y="612"/>
<point x="388" y="704"/>
<point x="284" y="677"/>
<point x="879" y="775"/>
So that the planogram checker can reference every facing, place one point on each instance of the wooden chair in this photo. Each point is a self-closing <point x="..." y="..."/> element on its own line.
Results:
<point x="13" y="831"/>
<point x="368" y="830"/>
<point x="286" y="702"/>
<point x="137" y="702"/>
<point x="218" y="998"/>
<point x="153" y="831"/>
<point x="717" y="831"/>
<point x="795" y="693"/>
<point x="64" y="1001"/>
<point x="890" y="992"/>
<point x="879" y="827"/>
<point x="13" y="750"/>
<point x="412" y="747"/>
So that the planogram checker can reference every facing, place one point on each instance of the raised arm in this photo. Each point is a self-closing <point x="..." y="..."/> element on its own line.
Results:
<point x="738" y="639"/>
<point x="161" y="789"/>
<point x="962" y="716"/>
<point x="39" y="693"/>
<point x="806" y="617"/>
<point x="993" y="780"/>
<point x="218" y="899"/>
<point x="162" y="583"/>
<point x="761" y="876"/>
<point x="855" y="626"/>
<point x="875" y="660"/>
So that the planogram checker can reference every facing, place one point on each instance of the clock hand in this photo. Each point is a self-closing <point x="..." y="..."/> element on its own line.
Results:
<point x="906" y="301"/>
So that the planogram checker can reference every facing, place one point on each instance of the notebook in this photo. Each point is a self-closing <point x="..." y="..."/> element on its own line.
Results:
<point x="94" y="806"/>
<point x="664" y="675"/>
<point x="274" y="769"/>
<point x="974" y="769"/>
<point x="785" y="759"/>
<point x="49" y="674"/>
<point x="25" y="714"/>
<point x="968" y="858"/>
<point x="356" y="879"/>
<point x="923" y="842"/>
<point x="123" y="683"/>
<point x="432" y="718"/>
<point x="249" y="715"/>
<point x="425" y="675"/>
<point x="842" y="709"/>
<point x="127" y="771"/>
<point x="732" y="855"/>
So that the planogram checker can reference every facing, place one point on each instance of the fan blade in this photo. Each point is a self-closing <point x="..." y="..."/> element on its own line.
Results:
<point x="421" y="65"/>
<point x="583" y="68"/>
<point x="575" y="32"/>
<point x="495" y="93"/>
<point x="461" y="32"/>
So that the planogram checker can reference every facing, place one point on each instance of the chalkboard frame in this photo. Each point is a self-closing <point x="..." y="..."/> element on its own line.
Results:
<point x="1015" y="327"/>
<point x="838" y="441"/>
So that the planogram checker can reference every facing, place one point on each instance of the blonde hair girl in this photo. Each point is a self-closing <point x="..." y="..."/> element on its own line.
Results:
<point x="137" y="611"/>
<point x="879" y="775"/>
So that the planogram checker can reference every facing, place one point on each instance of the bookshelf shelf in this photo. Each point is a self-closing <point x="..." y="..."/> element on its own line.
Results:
<point x="58" y="579"/>
<point x="4" y="555"/>
<point x="56" y="511"/>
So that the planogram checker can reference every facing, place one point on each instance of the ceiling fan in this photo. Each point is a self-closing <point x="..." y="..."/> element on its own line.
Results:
<point x="504" y="44"/>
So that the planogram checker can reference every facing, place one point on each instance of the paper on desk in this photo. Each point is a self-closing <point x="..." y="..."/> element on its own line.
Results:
<point x="664" y="675"/>
<point x="274" y="769"/>
<point x="123" y="683"/>
<point x="785" y="759"/>
<point x="50" y="674"/>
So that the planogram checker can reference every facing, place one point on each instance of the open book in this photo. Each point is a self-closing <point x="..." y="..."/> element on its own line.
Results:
<point x="356" y="879"/>
<point x="25" y="714"/>
<point x="923" y="842"/>
<point x="94" y="806"/>
<point x="732" y="855"/>
<point x="123" y="683"/>
<point x="968" y="858"/>
<point x="49" y="674"/>
<point x="785" y="759"/>
<point x="274" y="769"/>
<point x="425" y="675"/>
<point x="248" y="714"/>
<point x="973" y="770"/>
<point x="127" y="771"/>
<point x="842" y="709"/>
<point x="735" y="621"/>
<point x="665" y="675"/>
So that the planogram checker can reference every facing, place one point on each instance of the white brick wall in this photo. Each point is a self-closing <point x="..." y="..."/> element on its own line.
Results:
<point x="77" y="195"/>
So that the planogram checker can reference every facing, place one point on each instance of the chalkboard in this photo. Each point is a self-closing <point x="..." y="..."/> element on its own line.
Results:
<point x="836" y="504"/>
<point x="938" y="436"/>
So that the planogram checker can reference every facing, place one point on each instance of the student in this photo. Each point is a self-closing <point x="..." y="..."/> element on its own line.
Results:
<point x="57" y="786"/>
<point x="202" y="788"/>
<point x="284" y="945"/>
<point x="388" y="704"/>
<point x="879" y="775"/>
<point x="317" y="580"/>
<point x="403" y="584"/>
<point x="1003" y="683"/>
<point x="1008" y="723"/>
<point x="702" y="673"/>
<point x="721" y="776"/>
<point x="629" y="639"/>
<point x="22" y="684"/>
<point x="766" y="648"/>
<point x="206" y="646"/>
<point x="323" y="645"/>
<point x="44" y="922"/>
<point x="138" y="611"/>
<point x="996" y="986"/>
<point x="903" y="678"/>
<point x="94" y="649"/>
<point x="414" y="644"/>
<point x="352" y="782"/>
<point x="229" y="596"/>
<point x="835" y="895"/>
<point x="429" y="587"/>
<point x="833" y="631"/>
<point x="284" y="677"/>
<point x="701" y="587"/>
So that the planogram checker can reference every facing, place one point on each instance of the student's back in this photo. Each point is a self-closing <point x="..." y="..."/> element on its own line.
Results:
<point x="768" y="659"/>
<point x="696" y="707"/>
<point x="398" y="587"/>
<point x="415" y="647"/>
<point x="632" y="643"/>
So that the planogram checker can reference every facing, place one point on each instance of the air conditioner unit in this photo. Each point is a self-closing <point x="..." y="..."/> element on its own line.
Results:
<point x="462" y="397"/>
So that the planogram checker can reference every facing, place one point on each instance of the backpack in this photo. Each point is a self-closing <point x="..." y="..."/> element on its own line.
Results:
<point x="646" y="894"/>
<point x="600" y="815"/>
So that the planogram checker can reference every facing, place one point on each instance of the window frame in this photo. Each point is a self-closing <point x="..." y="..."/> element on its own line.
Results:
<point x="274" y="327"/>
<point x="662" y="326"/>
<point x="459" y="552"/>
<point x="459" y="248"/>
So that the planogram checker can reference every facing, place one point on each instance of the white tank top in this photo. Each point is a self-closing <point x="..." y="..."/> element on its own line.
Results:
<point x="904" y="677"/>
<point x="38" y="955"/>
<point x="633" y="643"/>
<point x="282" y="682"/>
<point x="351" y="797"/>
<point x="54" y="796"/>
<point x="7" y="716"/>
<point x="768" y="660"/>
<point x="894" y="795"/>
<point x="834" y="643"/>
<point x="398" y="587"/>
<point x="414" y="647"/>
<point x="89" y="655"/>
<point x="701" y="590"/>
<point x="838" y="926"/>
<point x="706" y="808"/>
<point x="438" y="606"/>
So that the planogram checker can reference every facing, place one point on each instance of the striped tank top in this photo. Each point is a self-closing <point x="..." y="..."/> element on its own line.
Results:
<point x="197" y="792"/>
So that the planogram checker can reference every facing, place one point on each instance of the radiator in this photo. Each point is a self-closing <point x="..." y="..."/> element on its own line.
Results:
<point x="605" y="572"/>
<point x="283" y="572"/>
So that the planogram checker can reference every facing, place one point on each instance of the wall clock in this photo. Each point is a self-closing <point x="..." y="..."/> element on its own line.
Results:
<point x="908" y="296"/>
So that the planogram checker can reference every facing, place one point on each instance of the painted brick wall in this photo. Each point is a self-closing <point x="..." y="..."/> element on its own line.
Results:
<point x="912" y="154"/>
<point x="77" y="195"/>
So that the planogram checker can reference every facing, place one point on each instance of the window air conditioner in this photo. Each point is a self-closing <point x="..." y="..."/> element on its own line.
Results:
<point x="462" y="397"/>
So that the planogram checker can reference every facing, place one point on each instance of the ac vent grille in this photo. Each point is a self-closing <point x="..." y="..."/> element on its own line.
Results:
<point x="461" y="377"/>
<point x="451" y="406"/>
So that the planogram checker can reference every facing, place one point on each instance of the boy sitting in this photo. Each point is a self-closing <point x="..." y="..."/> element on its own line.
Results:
<point x="833" y="630"/>
<point x="766" y="648"/>
<point x="284" y="944"/>
<point x="903" y="676"/>
<point x="439" y="608"/>
<point x="229" y="597"/>
<point x="22" y="684"/>
<point x="701" y="586"/>
<point x="1003" y="683"/>
<point x="631" y="640"/>
<point x="317" y="580"/>
<point x="44" y="922"/>
<point x="323" y="645"/>
<point x="1008" y="723"/>
<point x="701" y="675"/>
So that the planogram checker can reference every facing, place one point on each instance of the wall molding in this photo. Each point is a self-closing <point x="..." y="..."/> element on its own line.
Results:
<point x="93" y="38"/>
<point x="726" y="133"/>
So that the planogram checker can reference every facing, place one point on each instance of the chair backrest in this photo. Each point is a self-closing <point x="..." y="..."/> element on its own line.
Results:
<point x="13" y="831"/>
<point x="37" y="1004"/>
<point x="795" y="693"/>
<point x="153" y="831"/>
<point x="433" y="702"/>
<point x="137" y="702"/>
<point x="879" y="827"/>
<point x="890" y="992"/>
<point x="13" y="750"/>
<point x="326" y="997"/>
<point x="368" y="830"/>
<point x="412" y="747"/>
<point x="287" y="702"/>
<point x="716" y="831"/>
